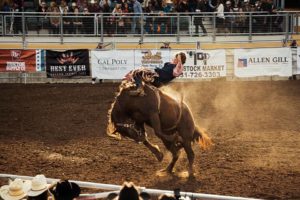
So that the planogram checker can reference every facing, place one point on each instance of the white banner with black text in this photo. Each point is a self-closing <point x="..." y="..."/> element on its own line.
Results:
<point x="298" y="61"/>
<point x="262" y="62"/>
<point x="204" y="64"/>
<point x="114" y="64"/>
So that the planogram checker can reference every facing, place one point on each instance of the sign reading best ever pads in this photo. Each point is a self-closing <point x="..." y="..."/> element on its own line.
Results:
<point x="262" y="62"/>
<point x="113" y="64"/>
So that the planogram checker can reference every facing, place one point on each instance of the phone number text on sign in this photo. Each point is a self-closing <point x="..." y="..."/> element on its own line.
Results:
<point x="200" y="75"/>
<point x="202" y="71"/>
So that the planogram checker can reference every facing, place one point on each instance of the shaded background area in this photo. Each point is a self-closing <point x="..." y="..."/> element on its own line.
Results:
<point x="59" y="130"/>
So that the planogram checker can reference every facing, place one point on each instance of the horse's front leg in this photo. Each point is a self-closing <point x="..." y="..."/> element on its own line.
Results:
<point x="154" y="149"/>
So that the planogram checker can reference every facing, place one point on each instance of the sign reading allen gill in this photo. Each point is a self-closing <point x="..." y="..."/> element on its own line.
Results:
<point x="273" y="60"/>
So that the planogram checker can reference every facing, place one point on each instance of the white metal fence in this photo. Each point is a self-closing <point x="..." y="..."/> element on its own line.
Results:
<point x="31" y="24"/>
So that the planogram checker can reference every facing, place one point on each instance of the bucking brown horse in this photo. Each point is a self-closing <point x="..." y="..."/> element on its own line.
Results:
<point x="172" y="122"/>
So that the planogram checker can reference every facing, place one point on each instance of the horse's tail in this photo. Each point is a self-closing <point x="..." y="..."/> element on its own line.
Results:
<point x="202" y="138"/>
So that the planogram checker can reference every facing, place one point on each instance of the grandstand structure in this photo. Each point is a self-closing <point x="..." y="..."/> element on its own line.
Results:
<point x="31" y="30"/>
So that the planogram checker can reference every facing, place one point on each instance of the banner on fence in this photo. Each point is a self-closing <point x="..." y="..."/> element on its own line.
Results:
<point x="21" y="60"/>
<point x="204" y="64"/>
<point x="151" y="58"/>
<point x="262" y="62"/>
<point x="113" y="64"/>
<point x="69" y="63"/>
<point x="298" y="61"/>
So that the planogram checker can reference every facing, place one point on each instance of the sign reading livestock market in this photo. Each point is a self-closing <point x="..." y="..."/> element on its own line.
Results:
<point x="21" y="60"/>
<point x="67" y="64"/>
<point x="204" y="64"/>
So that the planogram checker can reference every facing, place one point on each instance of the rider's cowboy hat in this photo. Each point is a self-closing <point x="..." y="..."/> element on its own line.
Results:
<point x="15" y="190"/>
<point x="38" y="185"/>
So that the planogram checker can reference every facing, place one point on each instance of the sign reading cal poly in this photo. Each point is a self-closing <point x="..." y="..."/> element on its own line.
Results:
<point x="21" y="60"/>
<point x="113" y="64"/>
<point x="262" y="62"/>
<point x="68" y="63"/>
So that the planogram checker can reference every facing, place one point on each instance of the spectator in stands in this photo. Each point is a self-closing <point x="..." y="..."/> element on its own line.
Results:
<point x="39" y="188"/>
<point x="16" y="25"/>
<point x="118" y="18"/>
<point x="136" y="21"/>
<point x="166" y="197"/>
<point x="220" y="20"/>
<point x="246" y="8"/>
<point x="167" y="6"/>
<point x="107" y="20"/>
<point x="104" y="3"/>
<point x="87" y="22"/>
<point x="42" y="20"/>
<point x="15" y="190"/>
<point x="183" y="7"/>
<point x="257" y="20"/>
<point x="54" y="18"/>
<point x="127" y="20"/>
<point x="267" y="6"/>
<point x="149" y="26"/>
<point x="212" y="5"/>
<point x="77" y="21"/>
<point x="229" y="20"/>
<point x="239" y="19"/>
<point x="128" y="192"/>
<point x="94" y="7"/>
<point x="65" y="190"/>
<point x="67" y="22"/>
<point x="63" y="7"/>
<point x="198" y="19"/>
<point x="6" y="7"/>
<point x="160" y="23"/>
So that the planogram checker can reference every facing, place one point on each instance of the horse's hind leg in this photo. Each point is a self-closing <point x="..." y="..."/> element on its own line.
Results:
<point x="175" y="156"/>
<point x="190" y="155"/>
<point x="174" y="149"/>
<point x="154" y="149"/>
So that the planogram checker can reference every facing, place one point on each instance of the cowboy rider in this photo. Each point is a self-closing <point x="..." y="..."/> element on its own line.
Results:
<point x="164" y="75"/>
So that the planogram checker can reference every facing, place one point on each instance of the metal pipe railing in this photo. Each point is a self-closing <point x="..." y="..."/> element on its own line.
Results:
<point x="103" y="24"/>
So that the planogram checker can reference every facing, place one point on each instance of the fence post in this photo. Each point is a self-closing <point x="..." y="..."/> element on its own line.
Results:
<point x="178" y="28"/>
<point x="214" y="28"/>
<point x="286" y="26"/>
<point x="101" y="27"/>
<point x="61" y="28"/>
<point x="23" y="30"/>
<point x="250" y="27"/>
<point x="142" y="27"/>
<point x="297" y="23"/>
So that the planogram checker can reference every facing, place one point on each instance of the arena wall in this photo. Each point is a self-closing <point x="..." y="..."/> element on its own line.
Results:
<point x="41" y="77"/>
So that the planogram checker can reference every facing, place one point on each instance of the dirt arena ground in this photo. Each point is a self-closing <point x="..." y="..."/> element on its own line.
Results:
<point x="59" y="130"/>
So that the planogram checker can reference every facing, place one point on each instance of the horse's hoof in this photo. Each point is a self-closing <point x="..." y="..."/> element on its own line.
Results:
<point x="162" y="173"/>
<point x="184" y="174"/>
